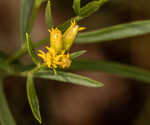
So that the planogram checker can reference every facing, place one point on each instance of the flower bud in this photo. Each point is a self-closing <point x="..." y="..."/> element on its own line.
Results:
<point x="70" y="35"/>
<point x="56" y="40"/>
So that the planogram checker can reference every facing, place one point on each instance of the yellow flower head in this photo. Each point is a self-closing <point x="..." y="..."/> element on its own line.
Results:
<point x="54" y="60"/>
<point x="57" y="54"/>
<point x="56" y="39"/>
<point x="70" y="35"/>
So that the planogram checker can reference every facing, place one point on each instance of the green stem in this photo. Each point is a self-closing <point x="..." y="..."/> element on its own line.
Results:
<point x="23" y="50"/>
<point x="6" y="117"/>
<point x="32" y="71"/>
<point x="20" y="52"/>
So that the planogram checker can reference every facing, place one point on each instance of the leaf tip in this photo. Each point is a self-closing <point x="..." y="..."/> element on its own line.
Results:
<point x="27" y="35"/>
<point x="97" y="85"/>
<point x="39" y="119"/>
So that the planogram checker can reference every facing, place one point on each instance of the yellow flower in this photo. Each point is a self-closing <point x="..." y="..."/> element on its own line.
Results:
<point x="70" y="35"/>
<point x="54" y="60"/>
<point x="57" y="54"/>
<point x="56" y="39"/>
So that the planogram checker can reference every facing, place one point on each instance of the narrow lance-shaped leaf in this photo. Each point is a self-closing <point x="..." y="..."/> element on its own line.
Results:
<point x="65" y="25"/>
<point x="32" y="98"/>
<point x="6" y="117"/>
<point x="77" y="54"/>
<point x="31" y="50"/>
<point x="69" y="77"/>
<point x="115" y="32"/>
<point x="26" y="8"/>
<point x="113" y="68"/>
<point x="29" y="9"/>
<point x="91" y="8"/>
<point x="48" y="14"/>
<point x="76" y="6"/>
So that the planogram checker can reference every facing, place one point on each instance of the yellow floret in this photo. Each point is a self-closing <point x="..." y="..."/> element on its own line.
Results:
<point x="53" y="60"/>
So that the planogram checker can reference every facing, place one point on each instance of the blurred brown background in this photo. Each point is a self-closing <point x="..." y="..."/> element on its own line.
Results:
<point x="119" y="102"/>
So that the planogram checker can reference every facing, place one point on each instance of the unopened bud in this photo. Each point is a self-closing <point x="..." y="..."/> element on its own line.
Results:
<point x="70" y="35"/>
<point x="56" y="40"/>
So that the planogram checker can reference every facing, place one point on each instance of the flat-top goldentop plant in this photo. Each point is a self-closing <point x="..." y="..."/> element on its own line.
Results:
<point x="58" y="56"/>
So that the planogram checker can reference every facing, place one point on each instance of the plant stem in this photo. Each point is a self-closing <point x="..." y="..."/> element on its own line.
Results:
<point x="20" y="52"/>
<point x="16" y="55"/>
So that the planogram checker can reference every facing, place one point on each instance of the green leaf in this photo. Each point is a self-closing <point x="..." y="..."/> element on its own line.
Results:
<point x="69" y="77"/>
<point x="115" y="32"/>
<point x="77" y="54"/>
<point x="65" y="25"/>
<point x="113" y="68"/>
<point x="6" y="117"/>
<point x="76" y="6"/>
<point x="48" y="15"/>
<point x="36" y="6"/>
<point x="29" y="9"/>
<point x="32" y="98"/>
<point x="31" y="50"/>
<point x="26" y="8"/>
<point x="91" y="8"/>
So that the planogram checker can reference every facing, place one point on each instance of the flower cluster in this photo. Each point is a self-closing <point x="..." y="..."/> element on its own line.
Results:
<point x="57" y="54"/>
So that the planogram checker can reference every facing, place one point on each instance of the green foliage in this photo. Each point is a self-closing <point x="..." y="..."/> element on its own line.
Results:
<point x="26" y="8"/>
<point x="48" y="14"/>
<point x="85" y="11"/>
<point x="29" y="9"/>
<point x="69" y="77"/>
<point x="35" y="8"/>
<point x="77" y="54"/>
<point x="32" y="98"/>
<point x="64" y="26"/>
<point x="5" y="67"/>
<point x="76" y="6"/>
<point x="90" y="8"/>
<point x="113" y="68"/>
<point x="5" y="114"/>
<point x="120" y="31"/>
<point x="31" y="49"/>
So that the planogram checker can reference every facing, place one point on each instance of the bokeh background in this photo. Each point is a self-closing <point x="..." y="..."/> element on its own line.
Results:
<point x="120" y="102"/>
